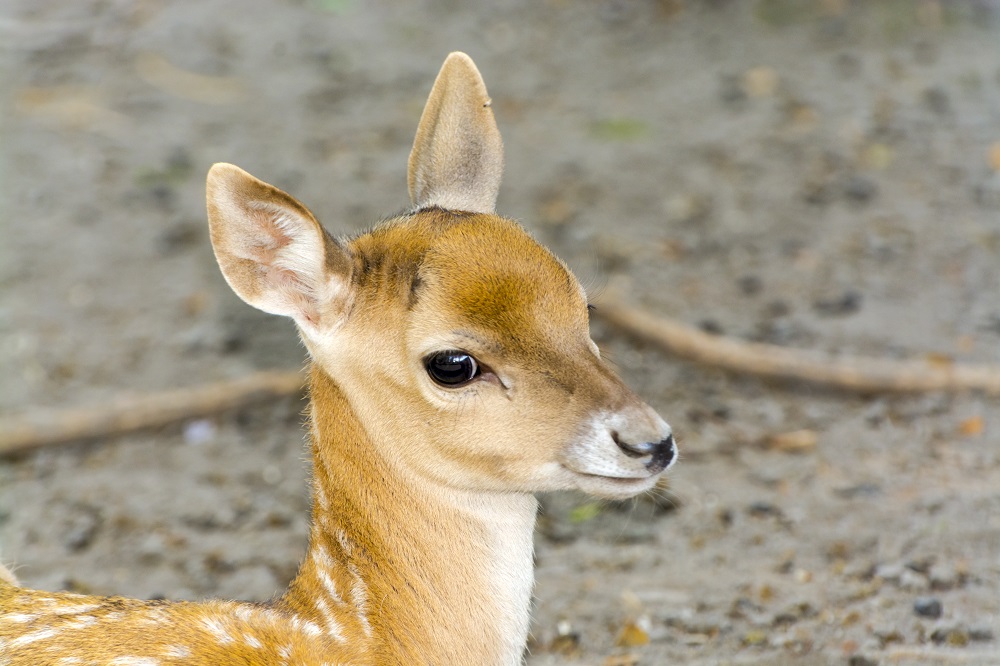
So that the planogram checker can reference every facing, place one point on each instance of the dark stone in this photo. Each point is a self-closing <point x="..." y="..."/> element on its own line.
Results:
<point x="859" y="490"/>
<point x="750" y="285"/>
<point x="927" y="607"/>
<point x="711" y="326"/>
<point x="936" y="99"/>
<point x="861" y="660"/>
<point x="763" y="509"/>
<point x="847" y="303"/>
<point x="860" y="188"/>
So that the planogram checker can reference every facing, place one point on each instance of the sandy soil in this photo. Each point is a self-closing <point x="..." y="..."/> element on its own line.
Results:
<point x="812" y="174"/>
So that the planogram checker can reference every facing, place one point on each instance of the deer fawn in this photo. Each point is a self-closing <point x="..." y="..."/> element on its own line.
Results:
<point x="452" y="376"/>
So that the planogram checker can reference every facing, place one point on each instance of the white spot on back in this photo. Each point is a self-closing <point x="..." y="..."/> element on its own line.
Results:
<point x="72" y="610"/>
<point x="177" y="651"/>
<point x="34" y="636"/>
<point x="153" y="617"/>
<point x="306" y="626"/>
<point x="134" y="661"/>
<point x="18" y="618"/>
<point x="215" y="628"/>
<point x="252" y="641"/>
<point x="80" y="622"/>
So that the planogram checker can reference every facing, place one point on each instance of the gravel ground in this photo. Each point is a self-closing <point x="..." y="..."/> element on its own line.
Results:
<point x="822" y="175"/>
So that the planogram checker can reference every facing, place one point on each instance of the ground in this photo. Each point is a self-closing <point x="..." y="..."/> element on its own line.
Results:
<point x="820" y="175"/>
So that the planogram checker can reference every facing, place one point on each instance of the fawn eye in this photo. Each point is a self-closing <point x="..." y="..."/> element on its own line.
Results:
<point x="452" y="368"/>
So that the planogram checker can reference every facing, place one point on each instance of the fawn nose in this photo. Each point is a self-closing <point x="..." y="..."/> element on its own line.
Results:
<point x="661" y="453"/>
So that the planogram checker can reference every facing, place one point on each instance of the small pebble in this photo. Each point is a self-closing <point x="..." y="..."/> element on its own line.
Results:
<point x="888" y="635"/>
<point x="936" y="99"/>
<point x="179" y="236"/>
<point x="876" y="412"/>
<point x="797" y="441"/>
<point x="760" y="82"/>
<point x="233" y="342"/>
<point x="687" y="208"/>
<point x="761" y="509"/>
<point x="152" y="548"/>
<point x="731" y="91"/>
<point x="866" y="489"/>
<point x="860" y="188"/>
<point x="913" y="581"/>
<point x="848" y="65"/>
<point x="951" y="634"/>
<point x="567" y="644"/>
<point x="199" y="431"/>
<point x="981" y="632"/>
<point x="750" y="285"/>
<point x="987" y="192"/>
<point x="943" y="576"/>
<point x="846" y="303"/>
<point x="994" y="156"/>
<point x="272" y="475"/>
<point x="711" y="326"/>
<point x="861" y="660"/>
<point x="83" y="523"/>
<point x="927" y="607"/>
<point x="633" y="634"/>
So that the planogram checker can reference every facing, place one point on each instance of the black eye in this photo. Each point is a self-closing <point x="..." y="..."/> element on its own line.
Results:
<point x="452" y="368"/>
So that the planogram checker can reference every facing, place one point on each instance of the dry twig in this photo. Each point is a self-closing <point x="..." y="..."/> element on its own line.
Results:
<point x="864" y="375"/>
<point x="41" y="428"/>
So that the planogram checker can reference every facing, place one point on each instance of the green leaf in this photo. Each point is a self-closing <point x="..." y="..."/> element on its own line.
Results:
<point x="619" y="129"/>
<point x="585" y="512"/>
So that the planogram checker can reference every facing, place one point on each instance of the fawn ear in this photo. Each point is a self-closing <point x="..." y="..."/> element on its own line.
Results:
<point x="272" y="251"/>
<point x="457" y="157"/>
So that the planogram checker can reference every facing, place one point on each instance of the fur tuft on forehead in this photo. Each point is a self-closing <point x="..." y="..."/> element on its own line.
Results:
<point x="499" y="277"/>
<point x="481" y="269"/>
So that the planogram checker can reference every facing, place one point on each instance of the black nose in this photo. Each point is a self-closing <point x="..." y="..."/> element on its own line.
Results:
<point x="662" y="452"/>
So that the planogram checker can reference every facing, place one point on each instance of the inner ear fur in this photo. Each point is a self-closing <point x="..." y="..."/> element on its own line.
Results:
<point x="272" y="251"/>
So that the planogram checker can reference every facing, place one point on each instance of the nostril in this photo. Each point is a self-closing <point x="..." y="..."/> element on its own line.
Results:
<point x="661" y="453"/>
<point x="664" y="453"/>
<point x="633" y="450"/>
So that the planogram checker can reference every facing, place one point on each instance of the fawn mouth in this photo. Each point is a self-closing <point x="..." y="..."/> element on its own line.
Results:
<point x="613" y="487"/>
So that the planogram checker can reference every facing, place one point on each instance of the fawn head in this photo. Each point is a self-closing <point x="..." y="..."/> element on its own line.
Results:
<point x="461" y="343"/>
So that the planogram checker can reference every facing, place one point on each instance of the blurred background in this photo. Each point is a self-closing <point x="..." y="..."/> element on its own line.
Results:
<point x="818" y="174"/>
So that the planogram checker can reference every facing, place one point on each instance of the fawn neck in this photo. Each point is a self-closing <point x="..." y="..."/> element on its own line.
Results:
<point x="436" y="575"/>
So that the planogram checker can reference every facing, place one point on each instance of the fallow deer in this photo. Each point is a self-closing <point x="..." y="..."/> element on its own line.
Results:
<point x="452" y="377"/>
